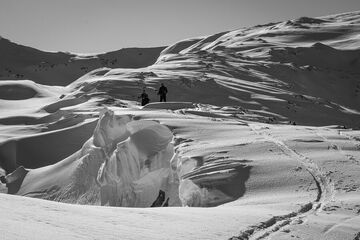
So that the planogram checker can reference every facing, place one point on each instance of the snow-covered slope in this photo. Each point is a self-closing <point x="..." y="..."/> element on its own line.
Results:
<point x="59" y="68"/>
<point x="277" y="180"/>
<point x="304" y="71"/>
<point x="259" y="133"/>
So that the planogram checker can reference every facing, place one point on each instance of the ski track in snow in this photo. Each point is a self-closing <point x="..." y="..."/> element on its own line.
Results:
<point x="325" y="186"/>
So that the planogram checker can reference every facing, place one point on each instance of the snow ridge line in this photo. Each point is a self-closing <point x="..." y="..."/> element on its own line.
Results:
<point x="326" y="192"/>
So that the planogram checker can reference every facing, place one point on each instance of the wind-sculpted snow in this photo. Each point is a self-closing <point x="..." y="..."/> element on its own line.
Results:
<point x="139" y="167"/>
<point x="71" y="179"/>
<point x="125" y="163"/>
<point x="133" y="163"/>
<point x="214" y="183"/>
<point x="23" y="89"/>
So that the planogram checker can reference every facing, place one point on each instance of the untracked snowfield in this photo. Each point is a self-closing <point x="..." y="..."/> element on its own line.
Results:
<point x="260" y="139"/>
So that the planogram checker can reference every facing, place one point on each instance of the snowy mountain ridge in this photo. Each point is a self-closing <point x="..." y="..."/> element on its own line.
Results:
<point x="19" y="62"/>
<point x="304" y="71"/>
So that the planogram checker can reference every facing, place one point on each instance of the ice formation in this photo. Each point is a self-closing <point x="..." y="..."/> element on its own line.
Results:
<point x="139" y="167"/>
<point x="124" y="163"/>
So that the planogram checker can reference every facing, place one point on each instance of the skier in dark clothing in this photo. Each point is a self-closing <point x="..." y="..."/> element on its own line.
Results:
<point x="3" y="179"/>
<point x="162" y="92"/>
<point x="144" y="98"/>
<point x="159" y="200"/>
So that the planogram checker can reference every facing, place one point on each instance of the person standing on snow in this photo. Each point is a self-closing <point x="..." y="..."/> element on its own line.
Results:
<point x="162" y="92"/>
<point x="144" y="98"/>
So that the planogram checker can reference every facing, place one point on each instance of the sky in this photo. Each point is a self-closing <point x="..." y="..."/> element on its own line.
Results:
<point x="94" y="26"/>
